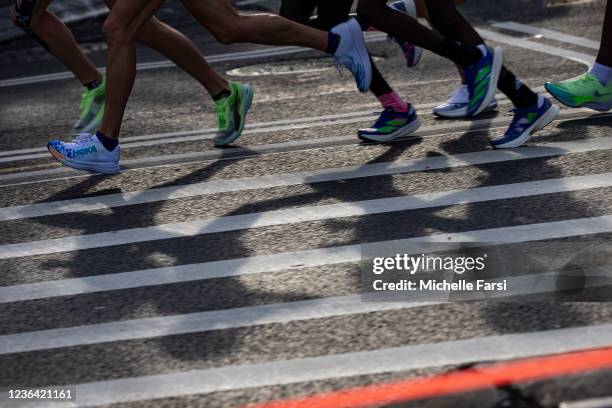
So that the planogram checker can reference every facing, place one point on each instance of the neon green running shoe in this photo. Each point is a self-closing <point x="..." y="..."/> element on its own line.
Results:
<point x="92" y="109"/>
<point x="232" y="112"/>
<point x="584" y="91"/>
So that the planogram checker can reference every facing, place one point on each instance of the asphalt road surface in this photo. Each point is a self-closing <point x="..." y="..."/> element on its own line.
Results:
<point x="216" y="278"/>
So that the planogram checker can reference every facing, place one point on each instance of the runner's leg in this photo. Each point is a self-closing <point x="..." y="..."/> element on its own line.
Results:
<point x="298" y="10"/>
<point x="345" y="41"/>
<point x="532" y="113"/>
<point x="180" y="50"/>
<point x="126" y="17"/>
<point x="446" y="19"/>
<point x="481" y="68"/>
<point x="221" y="19"/>
<point x="61" y="43"/>
<point x="398" y="119"/>
<point x="605" y="49"/>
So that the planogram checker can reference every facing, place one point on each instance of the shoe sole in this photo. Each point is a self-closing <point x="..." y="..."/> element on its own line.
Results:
<point x="599" y="107"/>
<point x="550" y="115"/>
<point x="498" y="61"/>
<point x="399" y="134"/>
<point x="75" y="164"/>
<point x="245" y="105"/>
<point x="463" y="114"/>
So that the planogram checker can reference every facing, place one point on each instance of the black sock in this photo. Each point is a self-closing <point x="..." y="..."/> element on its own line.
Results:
<point x="379" y="85"/>
<point x="93" y="84"/>
<point x="333" y="41"/>
<point x="223" y="94"/>
<point x="461" y="54"/>
<point x="520" y="94"/>
<point x="108" y="143"/>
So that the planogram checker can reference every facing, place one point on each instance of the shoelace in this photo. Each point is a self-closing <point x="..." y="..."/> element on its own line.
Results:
<point x="82" y="137"/>
<point x="518" y="116"/>
<point x="221" y="118"/>
<point x="585" y="80"/>
<point x="84" y="101"/>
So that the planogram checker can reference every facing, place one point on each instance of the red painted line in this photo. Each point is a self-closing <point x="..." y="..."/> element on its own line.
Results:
<point x="472" y="379"/>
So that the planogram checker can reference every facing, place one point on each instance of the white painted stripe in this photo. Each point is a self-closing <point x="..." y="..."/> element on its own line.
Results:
<point x="275" y="313"/>
<point x="605" y="402"/>
<point x="585" y="59"/>
<point x="308" y="177"/>
<point x="303" y="214"/>
<point x="225" y="57"/>
<point x="196" y="137"/>
<point x="299" y="259"/>
<point x="194" y="323"/>
<point x="270" y="126"/>
<point x="412" y="357"/>
<point x="28" y="177"/>
<point x="206" y="134"/>
<point x="550" y="34"/>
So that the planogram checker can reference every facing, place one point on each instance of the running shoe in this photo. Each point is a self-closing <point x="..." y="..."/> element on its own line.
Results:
<point x="352" y="53"/>
<point x="482" y="80"/>
<point x="86" y="152"/>
<point x="232" y="112"/>
<point x="92" y="108"/>
<point x="412" y="53"/>
<point x="457" y="105"/>
<point x="391" y="125"/>
<point x="526" y="122"/>
<point x="584" y="91"/>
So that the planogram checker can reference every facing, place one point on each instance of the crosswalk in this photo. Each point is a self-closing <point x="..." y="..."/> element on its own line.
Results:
<point x="31" y="294"/>
<point x="239" y="279"/>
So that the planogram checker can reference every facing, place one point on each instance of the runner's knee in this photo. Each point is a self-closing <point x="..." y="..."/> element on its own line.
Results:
<point x="115" y="30"/>
<point x="149" y="30"/>
<point x="230" y="32"/>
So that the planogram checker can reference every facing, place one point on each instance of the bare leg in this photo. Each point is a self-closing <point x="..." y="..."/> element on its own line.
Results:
<point x="220" y="18"/>
<point x="125" y="19"/>
<point x="61" y="42"/>
<point x="179" y="49"/>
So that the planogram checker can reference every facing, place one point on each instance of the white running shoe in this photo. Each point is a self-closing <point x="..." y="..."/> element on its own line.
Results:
<point x="352" y="53"/>
<point x="457" y="105"/>
<point x="86" y="152"/>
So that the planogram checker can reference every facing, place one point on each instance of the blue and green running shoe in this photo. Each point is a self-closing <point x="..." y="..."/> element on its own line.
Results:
<point x="391" y="125"/>
<point x="526" y="122"/>
<point x="232" y="113"/>
<point x="481" y="79"/>
<point x="584" y="91"/>
<point x="86" y="152"/>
